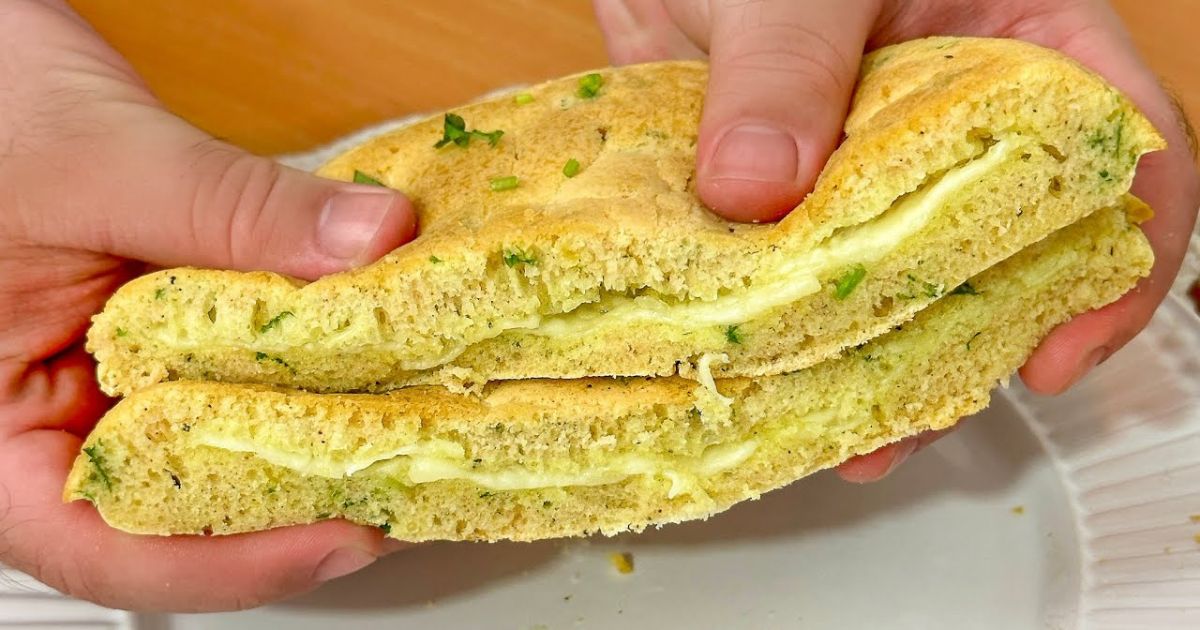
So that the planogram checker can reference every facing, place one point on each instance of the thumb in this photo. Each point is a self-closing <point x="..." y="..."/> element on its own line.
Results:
<point x="161" y="191"/>
<point x="781" y="77"/>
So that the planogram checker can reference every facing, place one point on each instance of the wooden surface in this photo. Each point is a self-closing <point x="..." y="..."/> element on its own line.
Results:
<point x="283" y="75"/>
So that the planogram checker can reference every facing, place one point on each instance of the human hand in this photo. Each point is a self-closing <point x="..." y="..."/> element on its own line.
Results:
<point x="96" y="179"/>
<point x="782" y="73"/>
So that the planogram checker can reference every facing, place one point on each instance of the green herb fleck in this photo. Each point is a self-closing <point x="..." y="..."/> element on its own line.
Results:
<point x="121" y="332"/>
<point x="965" y="288"/>
<point x="97" y="460"/>
<point x="523" y="98"/>
<point x="160" y="293"/>
<point x="571" y="168"/>
<point x="263" y="356"/>
<point x="734" y="334"/>
<point x="275" y="321"/>
<point x="510" y="182"/>
<point x="915" y="285"/>
<point x="386" y="527"/>
<point x="590" y="84"/>
<point x="435" y="260"/>
<point x="484" y="495"/>
<point x="845" y="285"/>
<point x="972" y="339"/>
<point x="514" y="257"/>
<point x="454" y="129"/>
<point x="362" y="178"/>
<point x="322" y="516"/>
<point x="546" y="504"/>
<point x="1106" y="176"/>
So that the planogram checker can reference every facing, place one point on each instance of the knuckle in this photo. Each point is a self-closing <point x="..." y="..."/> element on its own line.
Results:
<point x="231" y="195"/>
<point x="795" y="53"/>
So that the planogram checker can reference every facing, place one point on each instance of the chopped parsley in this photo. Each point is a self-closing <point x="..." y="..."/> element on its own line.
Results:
<point x="514" y="257"/>
<point x="362" y="178"/>
<point x="263" y="356"/>
<point x="523" y="98"/>
<point x="845" y="285"/>
<point x="274" y="321"/>
<point x="454" y="129"/>
<point x="500" y="184"/>
<point x="97" y="460"/>
<point x="590" y="84"/>
<point x="965" y="288"/>
<point x="734" y="334"/>
<point x="571" y="168"/>
<point x="159" y="293"/>
<point x="435" y="260"/>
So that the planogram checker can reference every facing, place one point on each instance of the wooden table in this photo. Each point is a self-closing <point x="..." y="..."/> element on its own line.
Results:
<point x="283" y="75"/>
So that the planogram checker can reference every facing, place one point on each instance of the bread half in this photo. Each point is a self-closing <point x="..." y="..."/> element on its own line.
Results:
<point x="536" y="459"/>
<point x="574" y="245"/>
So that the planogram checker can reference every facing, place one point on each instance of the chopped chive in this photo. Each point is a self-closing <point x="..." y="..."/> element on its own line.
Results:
<point x="571" y="168"/>
<point x="274" y="321"/>
<point x="734" y="334"/>
<point x="846" y="284"/>
<point x="362" y="178"/>
<point x="97" y="460"/>
<point x="590" y="84"/>
<point x="510" y="182"/>
<point x="454" y="129"/>
<point x="514" y="257"/>
<point x="523" y="98"/>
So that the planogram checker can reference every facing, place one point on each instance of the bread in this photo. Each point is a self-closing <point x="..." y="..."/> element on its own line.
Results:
<point x="534" y="459"/>
<point x="958" y="153"/>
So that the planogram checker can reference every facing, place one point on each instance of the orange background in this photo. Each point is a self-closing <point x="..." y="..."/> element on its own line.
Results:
<point x="283" y="75"/>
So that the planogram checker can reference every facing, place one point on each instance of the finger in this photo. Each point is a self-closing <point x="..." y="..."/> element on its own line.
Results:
<point x="161" y="191"/>
<point x="637" y="31"/>
<point x="1167" y="181"/>
<point x="70" y="548"/>
<point x="877" y="464"/>
<point x="781" y="77"/>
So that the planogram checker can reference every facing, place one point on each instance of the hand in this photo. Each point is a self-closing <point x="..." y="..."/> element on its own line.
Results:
<point x="95" y="180"/>
<point x="782" y="73"/>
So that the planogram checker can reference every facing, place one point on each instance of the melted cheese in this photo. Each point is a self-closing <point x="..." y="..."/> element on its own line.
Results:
<point x="438" y="460"/>
<point x="798" y="276"/>
<point x="305" y="462"/>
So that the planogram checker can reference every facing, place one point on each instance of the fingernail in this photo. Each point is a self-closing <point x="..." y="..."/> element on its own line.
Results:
<point x="350" y="222"/>
<point x="905" y="448"/>
<point x="1089" y="362"/>
<point x="341" y="562"/>
<point x="755" y="152"/>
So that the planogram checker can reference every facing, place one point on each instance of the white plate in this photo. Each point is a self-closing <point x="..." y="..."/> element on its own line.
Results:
<point x="1104" y="537"/>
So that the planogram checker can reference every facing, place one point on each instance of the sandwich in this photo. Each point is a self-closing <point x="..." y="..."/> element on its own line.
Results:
<point x="561" y="236"/>
<point x="575" y="345"/>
